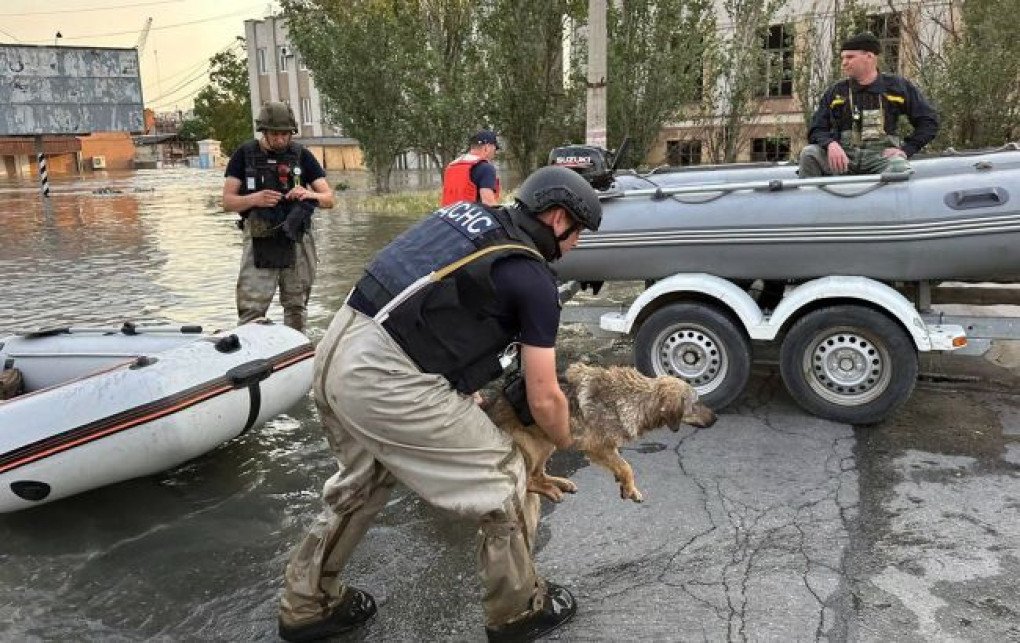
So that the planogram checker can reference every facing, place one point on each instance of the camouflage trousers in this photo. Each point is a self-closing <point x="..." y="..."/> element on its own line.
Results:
<point x="385" y="422"/>
<point x="863" y="159"/>
<point x="256" y="286"/>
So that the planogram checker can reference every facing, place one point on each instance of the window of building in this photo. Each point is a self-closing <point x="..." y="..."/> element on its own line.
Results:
<point x="284" y="58"/>
<point x="886" y="28"/>
<point x="683" y="152"/>
<point x="306" y="110"/>
<point x="301" y="63"/>
<point x="260" y="58"/>
<point x="773" y="148"/>
<point x="778" y="61"/>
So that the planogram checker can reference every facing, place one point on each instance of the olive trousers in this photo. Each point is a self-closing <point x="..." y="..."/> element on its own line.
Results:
<point x="864" y="159"/>
<point x="386" y="421"/>
<point x="256" y="286"/>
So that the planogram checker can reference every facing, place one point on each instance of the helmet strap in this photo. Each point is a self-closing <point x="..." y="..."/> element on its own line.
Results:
<point x="542" y="234"/>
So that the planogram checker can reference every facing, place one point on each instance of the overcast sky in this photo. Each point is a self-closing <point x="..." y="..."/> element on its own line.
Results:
<point x="174" y="61"/>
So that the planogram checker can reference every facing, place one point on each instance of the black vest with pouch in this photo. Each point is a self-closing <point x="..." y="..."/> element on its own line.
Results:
<point x="431" y="289"/>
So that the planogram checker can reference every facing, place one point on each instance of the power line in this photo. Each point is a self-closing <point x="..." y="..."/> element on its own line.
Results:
<point x="107" y="8"/>
<point x="164" y="98"/>
<point x="176" y="100"/>
<point x="135" y="31"/>
<point x="201" y="63"/>
<point x="11" y="35"/>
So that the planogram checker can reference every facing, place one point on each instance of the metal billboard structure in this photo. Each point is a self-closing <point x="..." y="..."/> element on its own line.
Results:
<point x="69" y="90"/>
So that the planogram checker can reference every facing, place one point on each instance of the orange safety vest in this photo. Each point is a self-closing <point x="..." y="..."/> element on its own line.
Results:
<point x="457" y="183"/>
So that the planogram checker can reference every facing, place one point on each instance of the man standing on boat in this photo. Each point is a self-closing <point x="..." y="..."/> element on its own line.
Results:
<point x="422" y="331"/>
<point x="472" y="176"/>
<point x="854" y="129"/>
<point x="275" y="184"/>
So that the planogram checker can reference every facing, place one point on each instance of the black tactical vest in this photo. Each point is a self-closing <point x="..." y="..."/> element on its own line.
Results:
<point x="431" y="289"/>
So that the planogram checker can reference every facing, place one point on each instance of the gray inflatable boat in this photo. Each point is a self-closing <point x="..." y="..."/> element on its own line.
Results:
<point x="952" y="217"/>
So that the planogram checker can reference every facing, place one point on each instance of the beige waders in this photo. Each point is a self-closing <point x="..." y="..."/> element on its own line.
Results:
<point x="387" y="421"/>
<point x="256" y="286"/>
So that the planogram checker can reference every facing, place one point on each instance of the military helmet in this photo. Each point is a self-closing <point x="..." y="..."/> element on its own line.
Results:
<point x="277" y="117"/>
<point x="552" y="186"/>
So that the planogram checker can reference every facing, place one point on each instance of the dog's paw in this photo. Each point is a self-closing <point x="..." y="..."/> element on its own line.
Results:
<point x="563" y="484"/>
<point x="549" y="491"/>
<point x="631" y="493"/>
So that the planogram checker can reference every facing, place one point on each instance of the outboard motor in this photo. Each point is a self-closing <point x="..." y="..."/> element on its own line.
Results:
<point x="594" y="163"/>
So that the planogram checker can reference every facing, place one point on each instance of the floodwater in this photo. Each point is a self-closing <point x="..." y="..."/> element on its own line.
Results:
<point x="196" y="553"/>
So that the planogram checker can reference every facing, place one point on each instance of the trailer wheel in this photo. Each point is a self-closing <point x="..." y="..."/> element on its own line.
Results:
<point x="699" y="344"/>
<point x="848" y="364"/>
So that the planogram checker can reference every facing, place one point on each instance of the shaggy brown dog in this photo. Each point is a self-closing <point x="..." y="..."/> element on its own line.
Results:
<point x="608" y="408"/>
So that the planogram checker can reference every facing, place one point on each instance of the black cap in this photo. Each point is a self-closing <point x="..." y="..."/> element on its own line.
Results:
<point x="485" y="137"/>
<point x="864" y="41"/>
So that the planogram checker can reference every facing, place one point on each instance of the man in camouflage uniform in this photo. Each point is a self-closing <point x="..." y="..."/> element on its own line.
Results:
<point x="854" y="129"/>
<point x="275" y="184"/>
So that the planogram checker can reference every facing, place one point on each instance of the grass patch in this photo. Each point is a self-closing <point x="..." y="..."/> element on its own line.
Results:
<point x="398" y="202"/>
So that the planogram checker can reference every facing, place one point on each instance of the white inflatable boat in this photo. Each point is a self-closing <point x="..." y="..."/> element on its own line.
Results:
<point x="104" y="405"/>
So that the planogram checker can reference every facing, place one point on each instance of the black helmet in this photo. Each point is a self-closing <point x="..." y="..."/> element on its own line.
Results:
<point x="552" y="186"/>
<point x="277" y="117"/>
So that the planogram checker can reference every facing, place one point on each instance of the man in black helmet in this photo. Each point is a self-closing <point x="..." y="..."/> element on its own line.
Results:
<point x="421" y="332"/>
<point x="855" y="128"/>
<point x="275" y="184"/>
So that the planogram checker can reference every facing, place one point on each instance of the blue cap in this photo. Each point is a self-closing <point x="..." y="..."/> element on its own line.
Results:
<point x="485" y="137"/>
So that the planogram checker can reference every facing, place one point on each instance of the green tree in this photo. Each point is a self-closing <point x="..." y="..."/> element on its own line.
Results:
<point x="223" y="107"/>
<point x="447" y="95"/>
<point x="973" y="78"/>
<point x="194" y="130"/>
<point x="654" y="61"/>
<point x="364" y="56"/>
<point x="529" y="102"/>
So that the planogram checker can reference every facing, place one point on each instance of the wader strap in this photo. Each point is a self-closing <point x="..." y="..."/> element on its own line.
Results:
<point x="371" y="298"/>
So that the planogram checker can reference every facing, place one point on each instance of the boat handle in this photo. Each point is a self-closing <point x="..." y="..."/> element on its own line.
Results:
<point x="250" y="373"/>
<point x="976" y="198"/>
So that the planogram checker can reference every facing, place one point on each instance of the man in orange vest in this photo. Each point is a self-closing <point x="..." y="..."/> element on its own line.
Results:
<point x="472" y="176"/>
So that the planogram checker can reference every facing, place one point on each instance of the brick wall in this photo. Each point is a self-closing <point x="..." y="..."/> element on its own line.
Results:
<point x="117" y="147"/>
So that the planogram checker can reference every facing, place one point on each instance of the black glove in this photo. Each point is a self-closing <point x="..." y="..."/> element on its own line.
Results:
<point x="299" y="220"/>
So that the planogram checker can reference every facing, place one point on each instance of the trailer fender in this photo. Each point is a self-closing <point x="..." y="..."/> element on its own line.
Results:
<point x="729" y="296"/>
<point x="860" y="288"/>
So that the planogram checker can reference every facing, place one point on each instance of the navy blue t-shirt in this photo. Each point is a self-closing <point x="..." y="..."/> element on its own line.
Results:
<point x="311" y="170"/>
<point x="483" y="175"/>
<point x="527" y="300"/>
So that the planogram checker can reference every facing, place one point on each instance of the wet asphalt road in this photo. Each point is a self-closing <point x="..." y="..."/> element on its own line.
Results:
<point x="771" y="525"/>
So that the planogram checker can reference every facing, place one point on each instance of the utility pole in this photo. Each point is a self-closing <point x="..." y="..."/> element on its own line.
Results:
<point x="595" y="124"/>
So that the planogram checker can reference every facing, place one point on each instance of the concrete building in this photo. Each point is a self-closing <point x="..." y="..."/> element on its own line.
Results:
<point x="276" y="72"/>
<point x="776" y="130"/>
<point x="77" y="105"/>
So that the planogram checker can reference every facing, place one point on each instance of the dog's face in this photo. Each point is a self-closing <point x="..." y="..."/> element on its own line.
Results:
<point x="679" y="404"/>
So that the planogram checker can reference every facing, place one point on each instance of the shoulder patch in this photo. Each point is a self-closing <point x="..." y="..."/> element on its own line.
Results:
<point x="470" y="219"/>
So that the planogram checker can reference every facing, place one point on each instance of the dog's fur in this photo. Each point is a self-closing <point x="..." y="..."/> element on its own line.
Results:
<point x="608" y="408"/>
